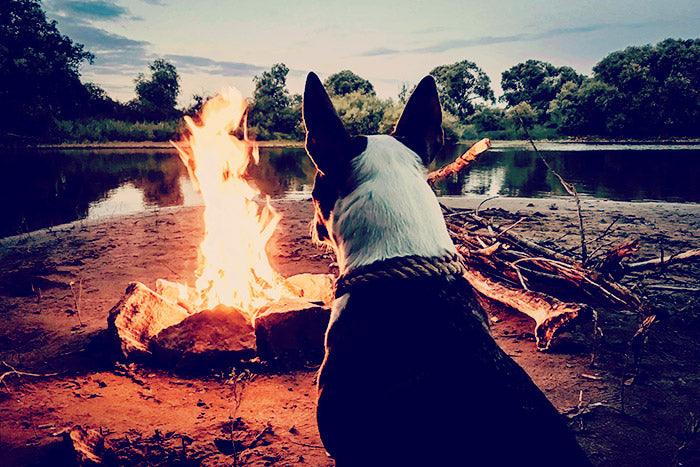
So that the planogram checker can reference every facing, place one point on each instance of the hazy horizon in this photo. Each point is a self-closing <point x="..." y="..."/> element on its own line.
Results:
<point x="215" y="44"/>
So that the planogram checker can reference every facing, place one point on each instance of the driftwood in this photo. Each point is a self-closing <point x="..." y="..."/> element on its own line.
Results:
<point x="461" y="162"/>
<point x="553" y="288"/>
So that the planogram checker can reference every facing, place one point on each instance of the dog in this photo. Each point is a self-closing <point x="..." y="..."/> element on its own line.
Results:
<point x="411" y="374"/>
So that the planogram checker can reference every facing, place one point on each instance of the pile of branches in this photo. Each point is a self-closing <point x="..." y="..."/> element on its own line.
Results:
<point x="552" y="287"/>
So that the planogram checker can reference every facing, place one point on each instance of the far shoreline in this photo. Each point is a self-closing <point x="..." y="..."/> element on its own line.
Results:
<point x="281" y="144"/>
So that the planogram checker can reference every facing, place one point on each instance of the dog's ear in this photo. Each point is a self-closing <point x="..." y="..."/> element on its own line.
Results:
<point x="327" y="141"/>
<point x="420" y="124"/>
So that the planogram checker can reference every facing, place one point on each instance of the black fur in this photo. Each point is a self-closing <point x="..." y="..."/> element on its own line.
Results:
<point x="420" y="124"/>
<point x="413" y="377"/>
<point x="411" y="374"/>
<point x="331" y="149"/>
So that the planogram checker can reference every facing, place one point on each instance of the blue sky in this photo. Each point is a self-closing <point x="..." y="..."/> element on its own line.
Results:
<point x="215" y="43"/>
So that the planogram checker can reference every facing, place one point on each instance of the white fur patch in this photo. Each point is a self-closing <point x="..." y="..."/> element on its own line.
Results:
<point x="392" y="212"/>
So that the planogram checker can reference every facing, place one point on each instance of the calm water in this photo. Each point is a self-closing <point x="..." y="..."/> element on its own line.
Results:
<point x="45" y="188"/>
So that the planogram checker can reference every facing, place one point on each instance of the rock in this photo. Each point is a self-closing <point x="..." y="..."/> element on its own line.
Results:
<point x="178" y="293"/>
<point x="209" y="339"/>
<point x="138" y="317"/>
<point x="87" y="446"/>
<point x="291" y="330"/>
<point x="312" y="287"/>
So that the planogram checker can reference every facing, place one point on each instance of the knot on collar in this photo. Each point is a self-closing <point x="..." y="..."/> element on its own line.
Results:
<point x="403" y="267"/>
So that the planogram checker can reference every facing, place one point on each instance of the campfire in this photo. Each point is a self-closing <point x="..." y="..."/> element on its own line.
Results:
<point x="239" y="306"/>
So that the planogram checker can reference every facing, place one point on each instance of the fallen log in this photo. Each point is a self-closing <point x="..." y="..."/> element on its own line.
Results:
<point x="550" y="314"/>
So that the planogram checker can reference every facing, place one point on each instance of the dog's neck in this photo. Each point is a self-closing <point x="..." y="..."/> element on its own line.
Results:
<point x="391" y="212"/>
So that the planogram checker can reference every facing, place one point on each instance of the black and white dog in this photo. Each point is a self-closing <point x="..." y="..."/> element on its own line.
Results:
<point x="411" y="375"/>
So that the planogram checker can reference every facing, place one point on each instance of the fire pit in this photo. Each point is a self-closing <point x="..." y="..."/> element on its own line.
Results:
<point x="239" y="306"/>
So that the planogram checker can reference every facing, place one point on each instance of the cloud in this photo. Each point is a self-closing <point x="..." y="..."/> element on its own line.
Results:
<point x="101" y="10"/>
<point x="490" y="40"/>
<point x="193" y="63"/>
<point x="380" y="51"/>
<point x="155" y="2"/>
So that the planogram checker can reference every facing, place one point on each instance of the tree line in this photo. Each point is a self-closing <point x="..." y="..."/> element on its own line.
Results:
<point x="639" y="92"/>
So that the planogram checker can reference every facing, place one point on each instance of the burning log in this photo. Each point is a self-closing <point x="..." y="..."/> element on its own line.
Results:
<point x="138" y="317"/>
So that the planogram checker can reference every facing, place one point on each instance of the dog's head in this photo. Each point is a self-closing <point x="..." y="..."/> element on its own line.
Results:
<point x="366" y="166"/>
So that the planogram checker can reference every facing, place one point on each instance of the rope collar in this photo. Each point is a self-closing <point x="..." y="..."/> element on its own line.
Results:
<point x="403" y="267"/>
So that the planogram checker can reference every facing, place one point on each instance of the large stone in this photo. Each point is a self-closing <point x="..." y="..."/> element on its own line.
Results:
<point x="312" y="287"/>
<point x="291" y="330"/>
<point x="211" y="338"/>
<point x="138" y="317"/>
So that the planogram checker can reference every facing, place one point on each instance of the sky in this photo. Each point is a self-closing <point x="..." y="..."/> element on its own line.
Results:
<point x="216" y="43"/>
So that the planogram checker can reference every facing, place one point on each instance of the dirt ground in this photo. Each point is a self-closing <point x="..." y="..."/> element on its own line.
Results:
<point x="57" y="285"/>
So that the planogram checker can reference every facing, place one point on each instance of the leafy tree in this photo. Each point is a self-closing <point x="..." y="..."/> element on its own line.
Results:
<point x="361" y="113"/>
<point x="196" y="104"/>
<point x="593" y="108"/>
<point x="522" y="116"/>
<point x="535" y="82"/>
<point x="405" y="93"/>
<point x="274" y="111"/>
<point x="488" y="119"/>
<point x="461" y="85"/>
<point x="39" y="70"/>
<point x="659" y="87"/>
<point x="346" y="82"/>
<point x="156" y="94"/>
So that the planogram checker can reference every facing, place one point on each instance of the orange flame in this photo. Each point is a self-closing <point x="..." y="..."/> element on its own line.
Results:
<point x="233" y="269"/>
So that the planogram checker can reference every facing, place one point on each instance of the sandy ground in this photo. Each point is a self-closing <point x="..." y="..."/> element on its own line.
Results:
<point x="647" y="421"/>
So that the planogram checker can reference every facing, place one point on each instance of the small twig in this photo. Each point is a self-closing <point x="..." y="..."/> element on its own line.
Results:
<point x="673" y="287"/>
<point x="14" y="371"/>
<point x="510" y="227"/>
<point x="476" y="211"/>
<point x="569" y="187"/>
<point x="690" y="255"/>
<point x="306" y="445"/>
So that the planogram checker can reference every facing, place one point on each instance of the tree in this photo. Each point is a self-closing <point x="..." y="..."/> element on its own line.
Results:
<point x="362" y="114"/>
<point x="461" y="85"/>
<point x="273" y="109"/>
<point x="536" y="83"/>
<point x="593" y="108"/>
<point x="346" y="82"/>
<point x="39" y="70"/>
<point x="405" y="93"/>
<point x="659" y="86"/>
<point x="196" y="104"/>
<point x="488" y="118"/>
<point x="156" y="94"/>
<point x="522" y="116"/>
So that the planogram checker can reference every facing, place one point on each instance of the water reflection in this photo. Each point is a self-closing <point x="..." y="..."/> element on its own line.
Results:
<point x="44" y="188"/>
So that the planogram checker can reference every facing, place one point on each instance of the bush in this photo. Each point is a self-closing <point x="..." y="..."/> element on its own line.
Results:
<point x="94" y="130"/>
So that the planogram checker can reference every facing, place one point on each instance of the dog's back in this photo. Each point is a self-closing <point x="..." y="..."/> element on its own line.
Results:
<point x="413" y="377"/>
<point x="411" y="374"/>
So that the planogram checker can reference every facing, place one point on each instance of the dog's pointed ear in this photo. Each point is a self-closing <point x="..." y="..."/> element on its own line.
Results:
<point x="420" y="124"/>
<point x="327" y="140"/>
